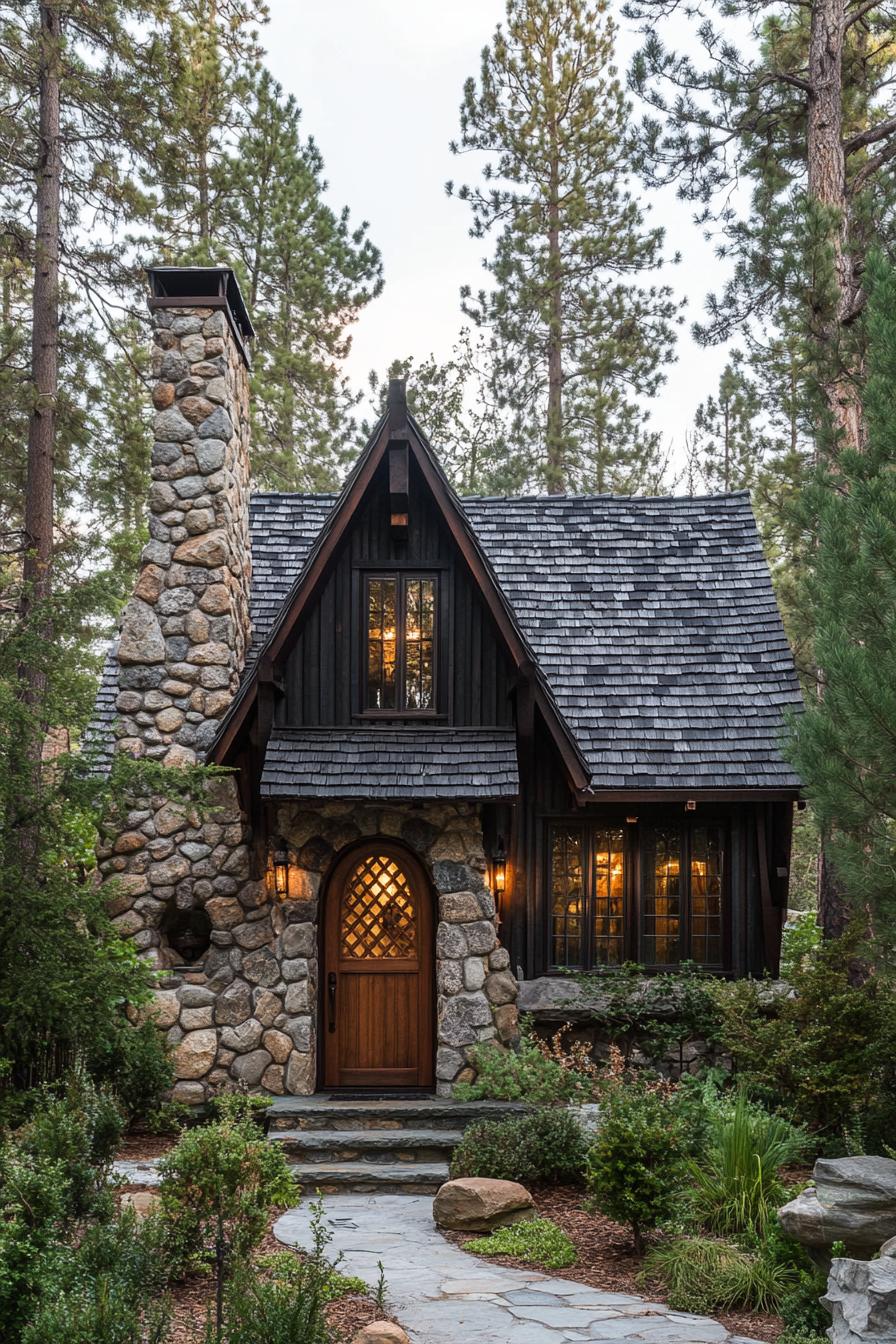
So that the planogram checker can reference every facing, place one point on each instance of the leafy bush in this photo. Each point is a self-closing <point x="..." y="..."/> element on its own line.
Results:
<point x="80" y="1131"/>
<point x="546" y="1145"/>
<point x="532" y="1072"/>
<point x="799" y="942"/>
<point x="34" y="1215"/>
<point x="704" y="1275"/>
<point x="539" y="1242"/>
<point x="801" y="1311"/>
<point x="105" y="1291"/>
<point x="218" y="1187"/>
<point x="821" y="1057"/>
<point x="635" y="1165"/>
<point x="281" y="1300"/>
<point x="135" y="1063"/>
<point x="735" y="1183"/>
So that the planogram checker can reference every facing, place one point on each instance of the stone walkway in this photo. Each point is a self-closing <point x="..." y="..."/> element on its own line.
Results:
<point x="442" y="1295"/>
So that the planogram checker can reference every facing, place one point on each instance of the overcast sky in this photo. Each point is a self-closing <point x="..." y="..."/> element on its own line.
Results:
<point x="380" y="83"/>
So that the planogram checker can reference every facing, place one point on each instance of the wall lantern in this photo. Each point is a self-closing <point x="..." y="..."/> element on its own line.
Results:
<point x="280" y="864"/>
<point x="499" y="867"/>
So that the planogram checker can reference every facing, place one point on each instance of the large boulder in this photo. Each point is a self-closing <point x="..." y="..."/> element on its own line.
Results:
<point x="381" y="1332"/>
<point x="861" y="1298"/>
<point x="853" y="1200"/>
<point x="477" y="1204"/>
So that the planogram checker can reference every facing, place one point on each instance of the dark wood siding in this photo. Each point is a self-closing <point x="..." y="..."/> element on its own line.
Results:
<point x="546" y="797"/>
<point x="322" y="674"/>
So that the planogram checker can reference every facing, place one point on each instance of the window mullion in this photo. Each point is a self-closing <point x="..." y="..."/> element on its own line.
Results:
<point x="684" y="949"/>
<point x="588" y="897"/>
<point x="401" y="594"/>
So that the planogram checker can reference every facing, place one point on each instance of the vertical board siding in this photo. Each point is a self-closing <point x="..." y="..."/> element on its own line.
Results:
<point x="324" y="670"/>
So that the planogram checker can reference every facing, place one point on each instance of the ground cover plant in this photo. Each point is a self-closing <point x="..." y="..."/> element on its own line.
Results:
<point x="538" y="1241"/>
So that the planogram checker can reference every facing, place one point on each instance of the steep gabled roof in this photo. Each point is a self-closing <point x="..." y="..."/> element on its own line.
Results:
<point x="656" y="626"/>
<point x="649" y="626"/>
<point x="323" y="548"/>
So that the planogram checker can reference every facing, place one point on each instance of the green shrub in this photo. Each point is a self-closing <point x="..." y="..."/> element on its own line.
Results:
<point x="635" y="1165"/>
<point x="539" y="1242"/>
<point x="34" y="1215"/>
<point x="80" y="1131"/>
<point x="134" y="1062"/>
<point x="218" y="1187"/>
<point x="736" y="1187"/>
<point x="704" y="1275"/>
<point x="801" y="1311"/>
<point x="821" y="1057"/>
<point x="528" y="1073"/>
<point x="544" y="1146"/>
<point x="799" y="942"/>
<point x="281" y="1300"/>
<point x="105" y="1290"/>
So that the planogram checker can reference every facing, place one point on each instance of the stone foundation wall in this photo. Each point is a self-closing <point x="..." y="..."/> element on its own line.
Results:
<point x="246" y="1013"/>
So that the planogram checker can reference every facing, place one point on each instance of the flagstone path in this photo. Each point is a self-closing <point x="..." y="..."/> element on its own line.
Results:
<point x="442" y="1295"/>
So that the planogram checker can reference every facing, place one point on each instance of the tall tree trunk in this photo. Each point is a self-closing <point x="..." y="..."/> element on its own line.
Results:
<point x="44" y="338"/>
<point x="556" y="455"/>
<point x="827" y="187"/>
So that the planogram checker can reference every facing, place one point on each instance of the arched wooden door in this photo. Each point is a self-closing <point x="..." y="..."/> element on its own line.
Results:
<point x="378" y="965"/>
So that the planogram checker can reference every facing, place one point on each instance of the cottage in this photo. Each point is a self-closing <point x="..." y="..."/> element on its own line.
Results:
<point x="474" y="742"/>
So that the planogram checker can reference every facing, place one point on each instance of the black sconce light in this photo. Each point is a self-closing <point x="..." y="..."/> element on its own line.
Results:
<point x="280" y="861"/>
<point x="499" y="867"/>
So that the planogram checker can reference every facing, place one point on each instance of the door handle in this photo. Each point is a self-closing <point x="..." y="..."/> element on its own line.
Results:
<point x="331" y="1001"/>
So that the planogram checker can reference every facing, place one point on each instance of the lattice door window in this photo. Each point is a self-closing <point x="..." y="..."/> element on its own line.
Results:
<point x="378" y="917"/>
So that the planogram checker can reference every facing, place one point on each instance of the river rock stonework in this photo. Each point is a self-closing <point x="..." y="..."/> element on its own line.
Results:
<point x="241" y="1009"/>
<point x="476" y="993"/>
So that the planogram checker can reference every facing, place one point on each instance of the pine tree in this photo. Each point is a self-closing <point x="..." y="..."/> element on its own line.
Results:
<point x="802" y="115"/>
<point x="845" y="743"/>
<point x="79" y="97"/>
<point x="456" y="409"/>
<point x="727" y="432"/>
<point x="213" y="55"/>
<point x="308" y="271"/>
<point x="573" y="334"/>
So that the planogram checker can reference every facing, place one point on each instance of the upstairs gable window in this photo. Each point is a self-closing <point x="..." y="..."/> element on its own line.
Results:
<point x="400" y="640"/>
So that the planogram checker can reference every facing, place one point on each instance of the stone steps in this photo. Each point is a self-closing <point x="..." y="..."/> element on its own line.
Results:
<point x="398" y="1178"/>
<point x="369" y="1145"/>
<point x="398" y="1147"/>
<point x="323" y="1112"/>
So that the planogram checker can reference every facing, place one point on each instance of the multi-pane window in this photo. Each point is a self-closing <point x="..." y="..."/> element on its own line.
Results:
<point x="682" y="888"/>
<point x="654" y="894"/>
<point x="400" y="637"/>
<point x="661" y="898"/>
<point x="587" y="896"/>
<point x="707" y="872"/>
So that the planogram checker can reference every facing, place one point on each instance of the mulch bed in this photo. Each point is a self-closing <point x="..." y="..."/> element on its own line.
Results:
<point x="605" y="1259"/>
<point x="193" y="1300"/>
<point x="139" y="1146"/>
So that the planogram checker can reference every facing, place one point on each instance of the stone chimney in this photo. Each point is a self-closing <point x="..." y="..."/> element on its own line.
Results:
<point x="185" y="631"/>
